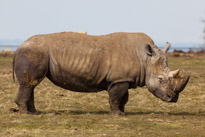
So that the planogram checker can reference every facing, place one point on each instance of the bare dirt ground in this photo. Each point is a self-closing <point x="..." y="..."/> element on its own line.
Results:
<point x="65" y="113"/>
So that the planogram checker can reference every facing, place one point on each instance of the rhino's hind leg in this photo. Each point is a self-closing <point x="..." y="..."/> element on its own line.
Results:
<point x="118" y="97"/>
<point x="31" y="106"/>
<point x="25" y="99"/>
<point x="31" y="69"/>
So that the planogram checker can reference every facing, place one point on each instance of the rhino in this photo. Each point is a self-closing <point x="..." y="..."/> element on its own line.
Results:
<point x="114" y="62"/>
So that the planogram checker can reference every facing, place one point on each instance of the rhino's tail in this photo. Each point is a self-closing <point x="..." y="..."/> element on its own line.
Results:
<point x="13" y="67"/>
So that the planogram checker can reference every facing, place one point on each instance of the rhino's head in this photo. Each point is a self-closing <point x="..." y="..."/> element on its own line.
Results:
<point x="162" y="82"/>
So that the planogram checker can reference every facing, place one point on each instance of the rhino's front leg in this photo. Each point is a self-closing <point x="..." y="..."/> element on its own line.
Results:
<point x="124" y="100"/>
<point x="118" y="97"/>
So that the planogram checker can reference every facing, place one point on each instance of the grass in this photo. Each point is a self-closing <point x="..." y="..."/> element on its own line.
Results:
<point x="65" y="113"/>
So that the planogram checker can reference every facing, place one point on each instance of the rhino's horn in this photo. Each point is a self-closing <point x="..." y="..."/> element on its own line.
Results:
<point x="174" y="73"/>
<point x="181" y="85"/>
<point x="168" y="46"/>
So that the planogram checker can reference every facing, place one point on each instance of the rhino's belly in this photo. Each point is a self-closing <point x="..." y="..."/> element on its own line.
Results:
<point x="77" y="83"/>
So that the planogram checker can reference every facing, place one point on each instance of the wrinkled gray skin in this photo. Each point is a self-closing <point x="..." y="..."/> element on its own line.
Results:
<point x="83" y="63"/>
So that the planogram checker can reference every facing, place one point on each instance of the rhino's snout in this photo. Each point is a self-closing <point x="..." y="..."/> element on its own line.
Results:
<point x="173" y="99"/>
<point x="170" y="97"/>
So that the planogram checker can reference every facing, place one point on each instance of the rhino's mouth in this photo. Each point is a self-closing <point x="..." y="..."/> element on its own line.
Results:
<point x="168" y="97"/>
<point x="158" y="94"/>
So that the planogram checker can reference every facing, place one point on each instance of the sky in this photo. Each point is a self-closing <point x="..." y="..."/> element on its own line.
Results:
<point x="162" y="20"/>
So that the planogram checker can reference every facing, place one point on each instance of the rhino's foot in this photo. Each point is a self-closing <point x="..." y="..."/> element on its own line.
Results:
<point x="36" y="113"/>
<point x="23" y="109"/>
<point x="26" y="109"/>
<point x="117" y="112"/>
<point x="24" y="112"/>
<point x="32" y="109"/>
<point x="29" y="112"/>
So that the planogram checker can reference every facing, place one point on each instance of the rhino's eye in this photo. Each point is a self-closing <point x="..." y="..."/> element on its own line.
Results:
<point x="160" y="79"/>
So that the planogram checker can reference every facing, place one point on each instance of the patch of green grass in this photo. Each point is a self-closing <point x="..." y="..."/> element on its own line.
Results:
<point x="66" y="113"/>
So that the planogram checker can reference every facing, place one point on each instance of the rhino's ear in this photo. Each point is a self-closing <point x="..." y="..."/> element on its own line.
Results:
<point x="148" y="49"/>
<point x="168" y="46"/>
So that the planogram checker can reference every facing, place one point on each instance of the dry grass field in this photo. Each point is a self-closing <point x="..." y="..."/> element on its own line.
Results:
<point x="65" y="113"/>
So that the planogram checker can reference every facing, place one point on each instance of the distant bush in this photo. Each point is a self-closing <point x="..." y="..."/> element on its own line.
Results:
<point x="7" y="53"/>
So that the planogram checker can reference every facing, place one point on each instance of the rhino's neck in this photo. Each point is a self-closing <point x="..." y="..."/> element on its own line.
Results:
<point x="142" y="76"/>
<point x="142" y="67"/>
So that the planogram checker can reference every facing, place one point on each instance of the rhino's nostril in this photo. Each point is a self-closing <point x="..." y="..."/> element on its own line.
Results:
<point x="169" y="98"/>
